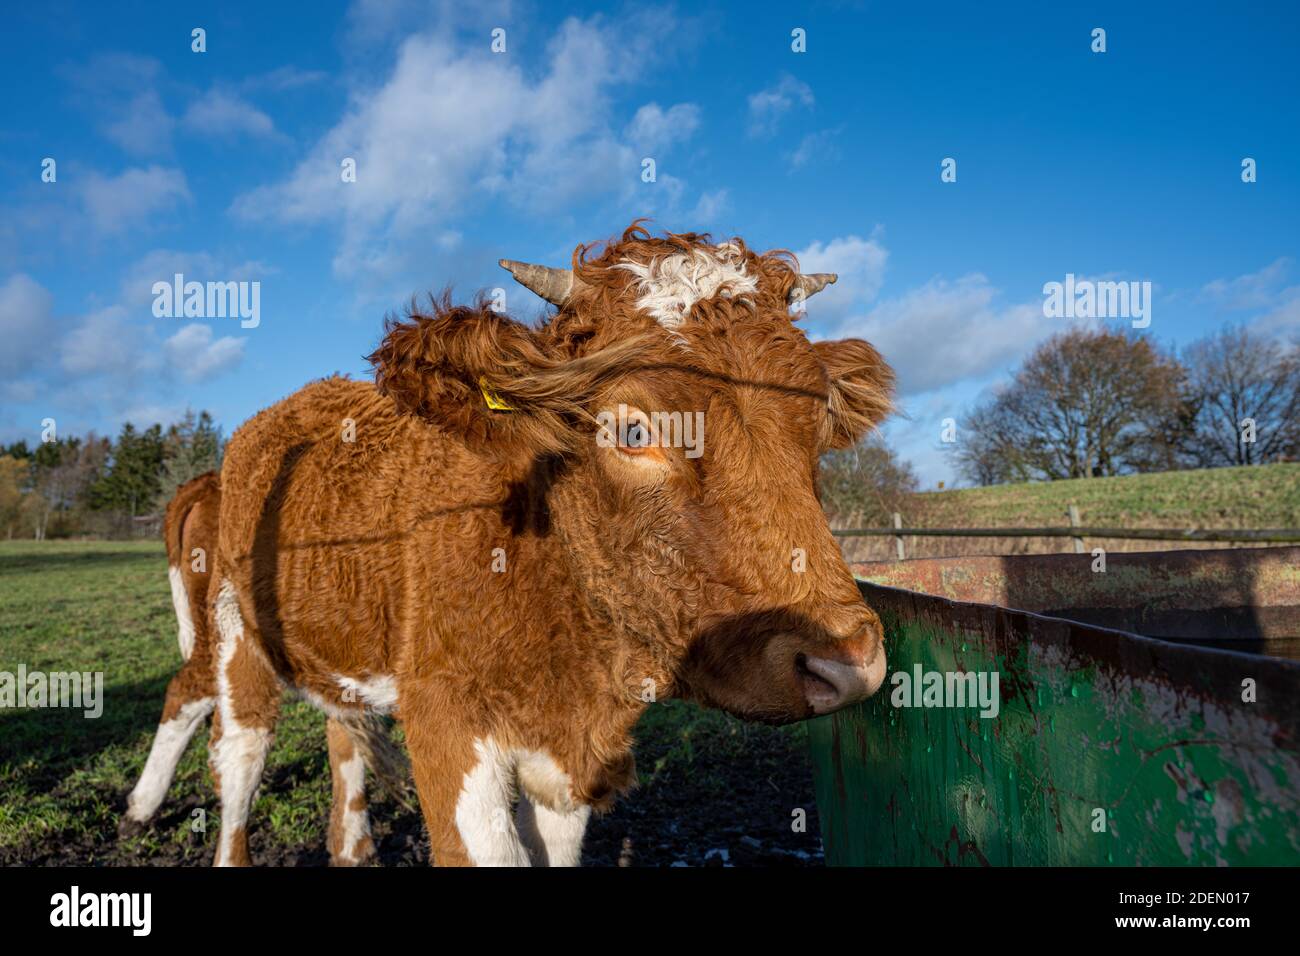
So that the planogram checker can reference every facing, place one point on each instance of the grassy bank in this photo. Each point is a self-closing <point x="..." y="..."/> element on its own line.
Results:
<point x="1265" y="496"/>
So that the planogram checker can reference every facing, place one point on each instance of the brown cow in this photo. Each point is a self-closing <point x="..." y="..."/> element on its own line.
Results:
<point x="190" y="535"/>
<point x="190" y="524"/>
<point x="472" y="545"/>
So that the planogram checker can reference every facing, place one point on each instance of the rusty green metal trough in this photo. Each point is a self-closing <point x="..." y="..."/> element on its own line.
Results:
<point x="1122" y="732"/>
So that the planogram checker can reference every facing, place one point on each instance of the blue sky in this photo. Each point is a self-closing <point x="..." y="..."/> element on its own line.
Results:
<point x="224" y="165"/>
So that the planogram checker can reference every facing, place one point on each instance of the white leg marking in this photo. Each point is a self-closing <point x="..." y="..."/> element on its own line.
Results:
<point x="356" y="823"/>
<point x="169" y="742"/>
<point x="241" y="752"/>
<point x="553" y="838"/>
<point x="184" y="621"/>
<point x="483" y="816"/>
<point x="550" y="820"/>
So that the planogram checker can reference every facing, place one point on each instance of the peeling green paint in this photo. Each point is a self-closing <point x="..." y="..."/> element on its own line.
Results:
<point x="1148" y="741"/>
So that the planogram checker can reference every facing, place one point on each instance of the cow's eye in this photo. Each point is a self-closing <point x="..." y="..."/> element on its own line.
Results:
<point x="638" y="436"/>
<point x="633" y="435"/>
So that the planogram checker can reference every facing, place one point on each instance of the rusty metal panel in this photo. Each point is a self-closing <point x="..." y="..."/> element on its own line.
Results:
<point x="1247" y="599"/>
<point x="1107" y="748"/>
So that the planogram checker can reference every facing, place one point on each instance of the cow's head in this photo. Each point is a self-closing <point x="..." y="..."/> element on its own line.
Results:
<point x="665" y="425"/>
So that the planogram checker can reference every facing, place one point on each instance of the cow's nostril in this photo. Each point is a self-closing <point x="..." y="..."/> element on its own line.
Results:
<point x="829" y="685"/>
<point x="818" y="689"/>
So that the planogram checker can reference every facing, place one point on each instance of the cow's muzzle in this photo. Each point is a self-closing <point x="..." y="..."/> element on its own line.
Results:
<point x="829" y="685"/>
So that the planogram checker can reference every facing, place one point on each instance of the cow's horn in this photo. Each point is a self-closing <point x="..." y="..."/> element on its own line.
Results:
<point x="811" y="283"/>
<point x="553" y="285"/>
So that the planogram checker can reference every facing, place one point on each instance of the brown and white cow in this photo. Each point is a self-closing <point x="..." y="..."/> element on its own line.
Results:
<point x="190" y="535"/>
<point x="190" y="526"/>
<point x="466" y="545"/>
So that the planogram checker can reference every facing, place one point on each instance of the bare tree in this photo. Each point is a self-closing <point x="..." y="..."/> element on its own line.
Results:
<point x="988" y="451"/>
<point x="63" y="472"/>
<point x="1247" y="389"/>
<point x="13" y="492"/>
<point x="867" y="482"/>
<point x="1086" y="403"/>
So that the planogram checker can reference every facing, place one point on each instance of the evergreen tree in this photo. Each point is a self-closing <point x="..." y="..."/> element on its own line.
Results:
<point x="131" y="483"/>
<point x="192" y="447"/>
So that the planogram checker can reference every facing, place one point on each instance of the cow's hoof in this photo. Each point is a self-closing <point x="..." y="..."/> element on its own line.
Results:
<point x="362" y="855"/>
<point x="127" y="827"/>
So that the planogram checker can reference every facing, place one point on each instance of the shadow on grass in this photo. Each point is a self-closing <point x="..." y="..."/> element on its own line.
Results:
<point x="50" y="741"/>
<point x="86" y="767"/>
<point x="46" y="562"/>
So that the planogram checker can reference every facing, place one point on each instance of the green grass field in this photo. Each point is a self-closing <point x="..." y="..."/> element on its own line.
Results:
<point x="1265" y="496"/>
<point x="708" y="781"/>
<point x="106" y="606"/>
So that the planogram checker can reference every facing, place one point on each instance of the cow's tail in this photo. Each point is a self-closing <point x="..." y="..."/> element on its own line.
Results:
<point x="178" y="509"/>
<point x="383" y="756"/>
<point x="186" y="497"/>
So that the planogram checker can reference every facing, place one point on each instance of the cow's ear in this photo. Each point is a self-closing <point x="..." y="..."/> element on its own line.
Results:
<point x="861" y="386"/>
<point x="485" y="377"/>
<point x="455" y="368"/>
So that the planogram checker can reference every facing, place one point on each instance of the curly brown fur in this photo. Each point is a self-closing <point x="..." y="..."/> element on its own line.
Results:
<point x="190" y="537"/>
<point x="514" y="590"/>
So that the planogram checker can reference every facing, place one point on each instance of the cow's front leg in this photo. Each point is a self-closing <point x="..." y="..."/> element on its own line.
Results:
<point x="467" y="790"/>
<point x="553" y="837"/>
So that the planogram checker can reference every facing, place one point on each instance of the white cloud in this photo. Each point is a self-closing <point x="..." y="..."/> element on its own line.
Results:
<point x="1253" y="290"/>
<point x="221" y="113"/>
<point x="196" y="356"/>
<point x="454" y="125"/>
<point x="914" y="435"/>
<point x="1283" y="317"/>
<point x="113" y="203"/>
<point x="815" y="146"/>
<point x="145" y="414"/>
<point x="120" y="91"/>
<point x="372" y="23"/>
<point x="1276" y="305"/>
<point x="708" y="208"/>
<point x="284" y="78"/>
<point x="935" y="335"/>
<point x="946" y="332"/>
<point x="105" y="358"/>
<point x="767" y="107"/>
<point x="654" y="129"/>
<point x="161" y="265"/>
<point x="859" y="263"/>
<point x="106" y="344"/>
<point x="142" y="127"/>
<point x="25" y="324"/>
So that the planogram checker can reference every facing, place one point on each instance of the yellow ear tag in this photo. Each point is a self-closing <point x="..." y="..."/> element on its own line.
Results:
<point x="493" y="400"/>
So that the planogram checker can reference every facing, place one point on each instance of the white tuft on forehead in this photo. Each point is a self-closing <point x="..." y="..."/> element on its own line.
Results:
<point x="671" y="285"/>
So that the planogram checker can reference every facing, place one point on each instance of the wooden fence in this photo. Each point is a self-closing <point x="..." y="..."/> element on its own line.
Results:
<point x="1077" y="532"/>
